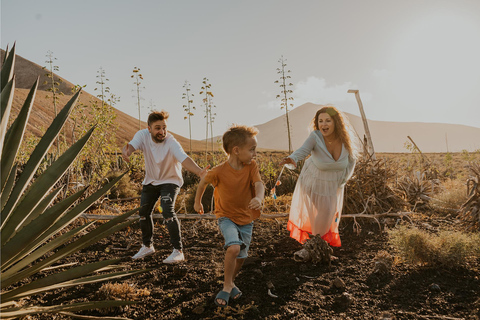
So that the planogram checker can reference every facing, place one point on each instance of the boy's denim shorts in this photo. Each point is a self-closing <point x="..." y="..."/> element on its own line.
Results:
<point x="235" y="234"/>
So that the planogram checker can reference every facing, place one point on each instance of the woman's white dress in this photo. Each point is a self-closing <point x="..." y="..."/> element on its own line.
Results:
<point x="318" y="197"/>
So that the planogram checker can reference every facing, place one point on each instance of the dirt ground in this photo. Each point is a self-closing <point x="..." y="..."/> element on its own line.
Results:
<point x="347" y="289"/>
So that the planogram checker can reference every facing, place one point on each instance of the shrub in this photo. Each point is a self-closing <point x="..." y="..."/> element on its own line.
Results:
<point x="447" y="248"/>
<point x="124" y="188"/>
<point x="450" y="198"/>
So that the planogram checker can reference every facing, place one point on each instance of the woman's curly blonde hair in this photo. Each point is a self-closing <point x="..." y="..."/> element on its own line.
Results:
<point x="343" y="128"/>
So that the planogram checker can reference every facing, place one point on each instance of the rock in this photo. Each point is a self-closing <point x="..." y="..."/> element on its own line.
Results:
<point x="386" y="316"/>
<point x="198" y="310"/>
<point x="258" y="272"/>
<point x="338" y="284"/>
<point x="270" y="285"/>
<point x="301" y="256"/>
<point x="344" y="300"/>
<point x="434" y="287"/>
<point x="315" y="249"/>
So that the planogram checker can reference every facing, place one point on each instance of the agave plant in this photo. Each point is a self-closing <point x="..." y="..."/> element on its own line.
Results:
<point x="30" y="222"/>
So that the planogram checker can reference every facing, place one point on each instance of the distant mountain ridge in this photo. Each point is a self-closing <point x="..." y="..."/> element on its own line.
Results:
<point x="386" y="136"/>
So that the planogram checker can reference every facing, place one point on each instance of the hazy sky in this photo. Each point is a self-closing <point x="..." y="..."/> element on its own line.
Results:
<point x="411" y="60"/>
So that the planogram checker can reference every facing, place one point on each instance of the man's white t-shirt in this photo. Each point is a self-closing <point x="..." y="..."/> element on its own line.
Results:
<point x="163" y="161"/>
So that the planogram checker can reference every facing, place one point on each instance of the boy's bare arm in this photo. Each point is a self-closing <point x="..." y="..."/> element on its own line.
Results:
<point x="198" y="196"/>
<point x="256" y="203"/>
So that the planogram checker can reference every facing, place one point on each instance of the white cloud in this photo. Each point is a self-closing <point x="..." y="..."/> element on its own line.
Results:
<point x="316" y="90"/>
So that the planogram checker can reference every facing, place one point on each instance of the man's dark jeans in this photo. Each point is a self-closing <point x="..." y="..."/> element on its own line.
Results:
<point x="167" y="193"/>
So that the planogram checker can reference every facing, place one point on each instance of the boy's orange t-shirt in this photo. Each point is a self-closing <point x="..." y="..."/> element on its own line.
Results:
<point x="233" y="191"/>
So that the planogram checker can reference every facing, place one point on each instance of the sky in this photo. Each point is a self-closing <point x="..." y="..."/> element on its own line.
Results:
<point x="411" y="60"/>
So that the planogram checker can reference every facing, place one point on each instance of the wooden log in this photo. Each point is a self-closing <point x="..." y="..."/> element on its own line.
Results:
<point x="180" y="216"/>
<point x="124" y="199"/>
<point x="262" y="216"/>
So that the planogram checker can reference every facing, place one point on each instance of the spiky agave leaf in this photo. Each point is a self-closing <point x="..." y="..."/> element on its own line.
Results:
<point x="29" y="221"/>
<point x="36" y="158"/>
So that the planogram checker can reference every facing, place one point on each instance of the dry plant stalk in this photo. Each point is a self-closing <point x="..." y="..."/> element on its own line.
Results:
<point x="470" y="210"/>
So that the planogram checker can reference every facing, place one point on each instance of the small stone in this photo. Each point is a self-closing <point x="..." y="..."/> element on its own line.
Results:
<point x="339" y="284"/>
<point x="434" y="287"/>
<point x="344" y="300"/>
<point x="258" y="272"/>
<point x="270" y="285"/>
<point x="198" y="310"/>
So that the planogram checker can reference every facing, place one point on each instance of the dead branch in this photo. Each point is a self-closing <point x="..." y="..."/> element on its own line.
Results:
<point x="378" y="215"/>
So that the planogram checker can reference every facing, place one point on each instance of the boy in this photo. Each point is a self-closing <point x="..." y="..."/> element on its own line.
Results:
<point x="238" y="194"/>
<point x="164" y="158"/>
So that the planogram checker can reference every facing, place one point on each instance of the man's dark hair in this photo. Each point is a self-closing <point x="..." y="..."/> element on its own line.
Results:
<point x="157" y="115"/>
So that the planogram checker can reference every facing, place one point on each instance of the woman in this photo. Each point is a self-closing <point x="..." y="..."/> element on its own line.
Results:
<point x="318" y="197"/>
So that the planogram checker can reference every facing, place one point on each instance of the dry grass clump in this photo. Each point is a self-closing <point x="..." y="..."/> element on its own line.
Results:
<point x="450" y="198"/>
<point x="121" y="291"/>
<point x="450" y="249"/>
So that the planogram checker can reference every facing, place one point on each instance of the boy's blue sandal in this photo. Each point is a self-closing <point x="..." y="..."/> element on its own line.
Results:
<point x="222" y="295"/>
<point x="235" y="294"/>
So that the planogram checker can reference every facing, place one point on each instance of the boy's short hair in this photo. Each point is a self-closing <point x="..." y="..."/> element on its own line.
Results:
<point x="157" y="115"/>
<point x="237" y="135"/>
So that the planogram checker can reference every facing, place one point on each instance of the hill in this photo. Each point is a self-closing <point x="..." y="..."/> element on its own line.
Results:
<point x="386" y="136"/>
<point x="27" y="72"/>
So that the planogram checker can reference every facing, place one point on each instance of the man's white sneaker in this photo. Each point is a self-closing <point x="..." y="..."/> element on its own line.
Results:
<point x="175" y="257"/>
<point x="143" y="252"/>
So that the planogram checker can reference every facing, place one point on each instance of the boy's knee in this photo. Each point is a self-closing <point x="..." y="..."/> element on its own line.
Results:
<point x="234" y="249"/>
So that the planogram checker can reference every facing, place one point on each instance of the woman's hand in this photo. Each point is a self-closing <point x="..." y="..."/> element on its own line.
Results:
<point x="287" y="160"/>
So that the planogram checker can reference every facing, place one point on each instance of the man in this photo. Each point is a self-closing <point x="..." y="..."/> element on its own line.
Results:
<point x="164" y="158"/>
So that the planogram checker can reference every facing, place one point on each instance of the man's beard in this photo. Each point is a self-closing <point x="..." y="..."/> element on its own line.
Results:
<point x="157" y="140"/>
